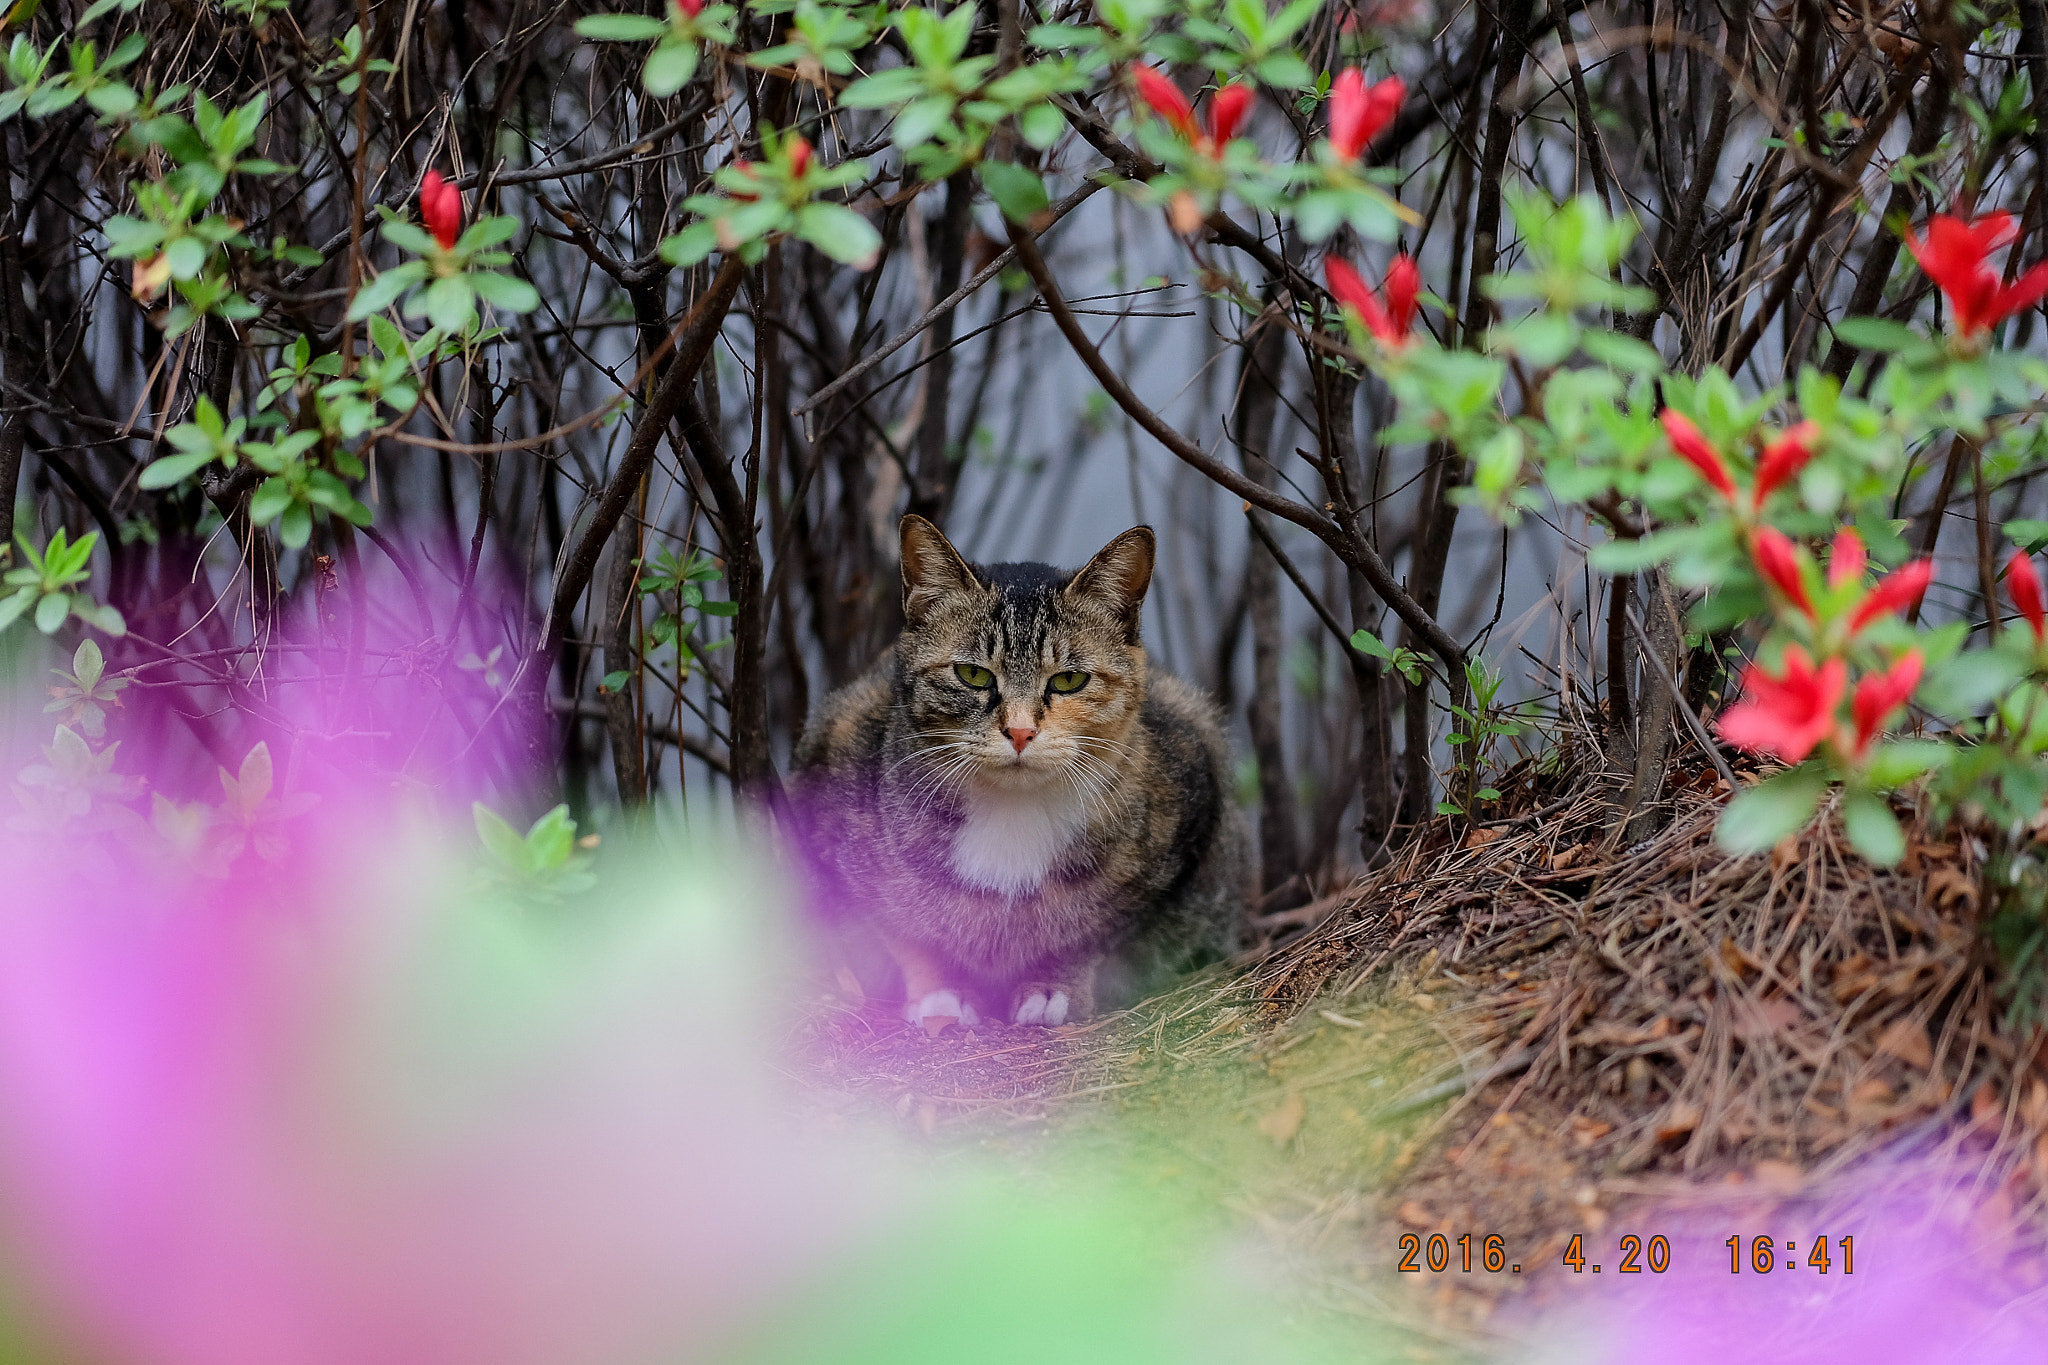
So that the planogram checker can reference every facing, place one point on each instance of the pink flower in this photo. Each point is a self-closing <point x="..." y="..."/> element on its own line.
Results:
<point x="1955" y="254"/>
<point x="1783" y="458"/>
<point x="1790" y="714"/>
<point x="441" y="209"/>
<point x="688" y="9"/>
<point x="1392" y="323"/>
<point x="1880" y="694"/>
<point x="1692" y="446"/>
<point x="1359" y="113"/>
<point x="1777" y="559"/>
<point x="2025" y="587"/>
<point x="1896" y="591"/>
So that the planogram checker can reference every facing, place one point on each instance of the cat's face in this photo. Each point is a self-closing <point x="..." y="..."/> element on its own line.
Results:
<point x="1021" y="675"/>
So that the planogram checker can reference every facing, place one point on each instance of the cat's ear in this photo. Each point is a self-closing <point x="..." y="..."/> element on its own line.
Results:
<point x="1118" y="576"/>
<point x="932" y="569"/>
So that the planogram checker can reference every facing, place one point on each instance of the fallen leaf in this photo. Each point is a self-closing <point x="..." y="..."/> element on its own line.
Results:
<point x="1284" y="1122"/>
<point x="1762" y="1018"/>
<point x="2041" y="1162"/>
<point x="1779" y="1177"/>
<point x="1479" y="838"/>
<point x="1987" y="1111"/>
<point x="1872" y="1091"/>
<point x="935" y="1024"/>
<point x="1587" y="1131"/>
<point x="1414" y="1215"/>
<point x="1950" y="889"/>
<point x="1907" y="1040"/>
<point x="2034" y="1108"/>
<point x="1736" y="959"/>
<point x="1681" y="1118"/>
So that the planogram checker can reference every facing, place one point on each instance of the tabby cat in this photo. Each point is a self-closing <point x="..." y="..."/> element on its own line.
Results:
<point x="1010" y="803"/>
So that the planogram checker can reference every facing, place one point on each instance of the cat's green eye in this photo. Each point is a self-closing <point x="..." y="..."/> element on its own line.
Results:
<point x="1071" y="681"/>
<point x="974" y="675"/>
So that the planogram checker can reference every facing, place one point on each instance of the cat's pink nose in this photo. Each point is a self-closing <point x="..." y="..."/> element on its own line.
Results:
<point x="1020" y="735"/>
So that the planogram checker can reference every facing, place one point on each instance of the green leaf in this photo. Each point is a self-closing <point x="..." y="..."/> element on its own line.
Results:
<point x="1042" y="125"/>
<point x="840" y="233"/>
<point x="173" y="469"/>
<point x="552" y="840"/>
<point x="450" y="304"/>
<point x="621" y="28"/>
<point x="500" y="839"/>
<point x="617" y="681"/>
<point x="508" y="292"/>
<point x="295" y="527"/>
<point x="378" y="294"/>
<point x="1875" y="334"/>
<point x="1016" y="189"/>
<point x="1872" y="828"/>
<point x="1622" y="352"/>
<point x="1365" y="642"/>
<point x="269" y="501"/>
<point x="51" y="611"/>
<point x="669" y="68"/>
<point x="1761" y="816"/>
<point x="1899" y="762"/>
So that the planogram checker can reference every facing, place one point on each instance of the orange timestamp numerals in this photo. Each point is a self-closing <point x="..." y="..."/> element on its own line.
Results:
<point x="1761" y="1256"/>
<point x="1439" y="1253"/>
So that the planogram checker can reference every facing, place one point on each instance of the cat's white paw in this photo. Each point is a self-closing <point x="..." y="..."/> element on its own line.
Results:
<point x="1039" y="1007"/>
<point x="940" y="1005"/>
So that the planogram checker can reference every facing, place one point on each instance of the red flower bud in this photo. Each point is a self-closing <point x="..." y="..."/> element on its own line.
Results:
<point x="1777" y="559"/>
<point x="688" y="9"/>
<point x="1880" y="694"/>
<point x="1786" y="715"/>
<point x="1693" y="446"/>
<point x="799" y="156"/>
<point x="1166" y="100"/>
<point x="2025" y="587"/>
<point x="1226" y="113"/>
<point x="1783" y="458"/>
<point x="1404" y="289"/>
<point x="1896" y="591"/>
<point x="441" y="209"/>
<point x="1359" y="113"/>
<point x="1845" y="564"/>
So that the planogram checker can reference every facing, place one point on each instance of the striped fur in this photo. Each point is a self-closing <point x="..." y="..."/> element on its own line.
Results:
<point x="1001" y="878"/>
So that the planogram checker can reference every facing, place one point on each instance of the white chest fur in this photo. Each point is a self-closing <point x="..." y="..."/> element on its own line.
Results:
<point x="1011" y="840"/>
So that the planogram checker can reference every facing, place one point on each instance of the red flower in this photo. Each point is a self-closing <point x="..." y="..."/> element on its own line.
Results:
<point x="1392" y="323"/>
<point x="1783" y="458"/>
<point x="441" y="209"/>
<point x="1693" y="446"/>
<point x="1788" y="715"/>
<point x="1166" y="100"/>
<point x="1896" y="591"/>
<point x="1845" y="564"/>
<point x="799" y="156"/>
<point x="688" y="9"/>
<point x="2025" y="587"/>
<point x="1954" y="255"/>
<point x="1359" y="113"/>
<point x="1777" y="559"/>
<point x="1226" y="112"/>
<point x="1880" y="694"/>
